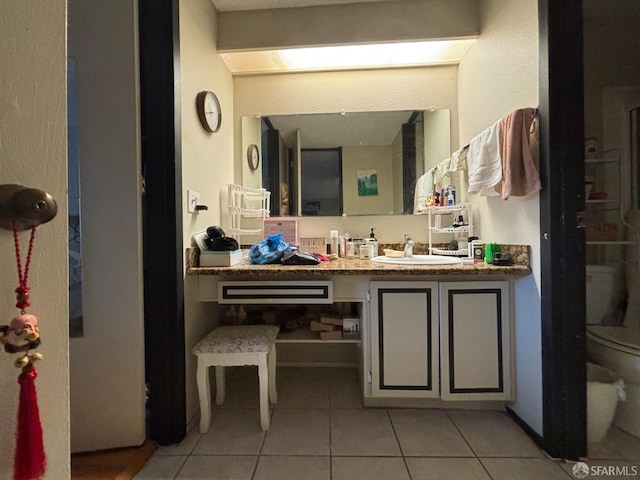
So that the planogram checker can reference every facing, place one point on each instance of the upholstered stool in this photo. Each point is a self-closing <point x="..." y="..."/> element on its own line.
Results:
<point x="237" y="346"/>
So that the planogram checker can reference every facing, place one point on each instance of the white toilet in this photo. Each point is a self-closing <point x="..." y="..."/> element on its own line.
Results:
<point x="616" y="348"/>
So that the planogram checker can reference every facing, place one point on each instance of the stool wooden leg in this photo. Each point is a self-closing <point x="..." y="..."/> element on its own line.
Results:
<point x="273" y="393"/>
<point x="204" y="394"/>
<point x="263" y="376"/>
<point x="220" y="387"/>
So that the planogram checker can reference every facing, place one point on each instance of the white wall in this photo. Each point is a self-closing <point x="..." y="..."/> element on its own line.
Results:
<point x="367" y="157"/>
<point x="206" y="158"/>
<point x="497" y="76"/>
<point x="370" y="90"/>
<point x="33" y="153"/>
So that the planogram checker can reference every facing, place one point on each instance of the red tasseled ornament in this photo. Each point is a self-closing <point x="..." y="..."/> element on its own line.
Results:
<point x="29" y="462"/>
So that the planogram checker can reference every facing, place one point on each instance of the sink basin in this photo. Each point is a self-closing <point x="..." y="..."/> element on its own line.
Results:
<point x="417" y="260"/>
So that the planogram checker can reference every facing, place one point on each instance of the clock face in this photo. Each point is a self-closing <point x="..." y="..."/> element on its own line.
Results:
<point x="209" y="111"/>
<point x="253" y="156"/>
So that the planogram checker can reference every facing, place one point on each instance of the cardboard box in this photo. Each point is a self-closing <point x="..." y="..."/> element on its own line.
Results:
<point x="331" y="320"/>
<point x="287" y="226"/>
<point x="334" y="335"/>
<point x="210" y="258"/>
<point x="321" y="327"/>
<point x="313" y="244"/>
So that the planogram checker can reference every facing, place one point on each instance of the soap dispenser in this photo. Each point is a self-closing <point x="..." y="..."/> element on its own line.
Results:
<point x="372" y="240"/>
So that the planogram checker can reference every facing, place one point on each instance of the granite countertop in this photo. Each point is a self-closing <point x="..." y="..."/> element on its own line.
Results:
<point x="342" y="266"/>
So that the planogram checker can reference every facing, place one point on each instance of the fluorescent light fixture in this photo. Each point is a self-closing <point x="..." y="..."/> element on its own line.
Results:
<point x="384" y="55"/>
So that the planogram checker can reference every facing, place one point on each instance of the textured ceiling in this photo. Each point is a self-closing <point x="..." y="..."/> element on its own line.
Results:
<point x="234" y="5"/>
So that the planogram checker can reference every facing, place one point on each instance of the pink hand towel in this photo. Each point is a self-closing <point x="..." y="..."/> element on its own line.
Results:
<point x="519" y="171"/>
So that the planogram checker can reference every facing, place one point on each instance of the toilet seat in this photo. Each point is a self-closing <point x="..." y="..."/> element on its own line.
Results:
<point x="619" y="338"/>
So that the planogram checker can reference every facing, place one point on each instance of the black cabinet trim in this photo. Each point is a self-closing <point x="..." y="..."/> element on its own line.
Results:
<point x="381" y="326"/>
<point x="452" y="388"/>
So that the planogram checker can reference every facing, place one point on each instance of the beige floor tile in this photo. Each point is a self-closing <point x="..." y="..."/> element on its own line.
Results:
<point x="368" y="468"/>
<point x="446" y="469"/>
<point x="428" y="433"/>
<point x="524" y="469"/>
<point x="232" y="432"/>
<point x="345" y="390"/>
<point x="362" y="432"/>
<point x="303" y="393"/>
<point x="494" y="434"/>
<point x="285" y="468"/>
<point x="298" y="432"/>
<point x="161" y="467"/>
<point x="242" y="389"/>
<point x="185" y="447"/>
<point x="211" y="467"/>
<point x="303" y="388"/>
<point x="617" y="445"/>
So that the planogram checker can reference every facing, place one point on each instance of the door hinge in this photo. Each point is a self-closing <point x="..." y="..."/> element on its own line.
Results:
<point x="368" y="295"/>
<point x="581" y="219"/>
<point x="143" y="185"/>
<point x="369" y="377"/>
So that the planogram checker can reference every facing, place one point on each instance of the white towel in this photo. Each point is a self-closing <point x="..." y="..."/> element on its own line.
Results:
<point x="424" y="189"/>
<point x="483" y="157"/>
<point x="458" y="160"/>
<point x="442" y="170"/>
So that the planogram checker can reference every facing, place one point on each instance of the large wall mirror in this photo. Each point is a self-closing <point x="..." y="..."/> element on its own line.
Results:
<point x="353" y="163"/>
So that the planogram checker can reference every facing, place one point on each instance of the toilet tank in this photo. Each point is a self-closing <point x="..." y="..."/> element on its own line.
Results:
<point x="602" y="289"/>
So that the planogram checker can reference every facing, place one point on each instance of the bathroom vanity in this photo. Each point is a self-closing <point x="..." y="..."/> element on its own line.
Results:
<point x="429" y="333"/>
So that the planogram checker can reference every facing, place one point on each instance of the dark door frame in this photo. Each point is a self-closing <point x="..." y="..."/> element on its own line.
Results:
<point x="562" y="244"/>
<point x="162" y="221"/>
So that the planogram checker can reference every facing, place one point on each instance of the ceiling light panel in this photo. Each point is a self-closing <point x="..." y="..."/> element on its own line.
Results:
<point x="385" y="55"/>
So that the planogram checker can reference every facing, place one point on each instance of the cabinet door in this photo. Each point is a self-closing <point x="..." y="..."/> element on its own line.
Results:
<point x="404" y="339"/>
<point x="475" y="341"/>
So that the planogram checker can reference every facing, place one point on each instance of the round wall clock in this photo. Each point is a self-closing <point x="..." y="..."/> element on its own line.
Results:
<point x="253" y="156"/>
<point x="209" y="111"/>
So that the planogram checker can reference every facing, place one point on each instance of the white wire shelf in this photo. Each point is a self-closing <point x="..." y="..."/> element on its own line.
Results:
<point x="445" y="210"/>
<point x="463" y="229"/>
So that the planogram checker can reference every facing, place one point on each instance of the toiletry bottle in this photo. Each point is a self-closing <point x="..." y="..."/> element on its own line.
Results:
<point x="335" y="242"/>
<point x="351" y="249"/>
<point x="373" y="241"/>
<point x="343" y="245"/>
<point x="470" y="241"/>
<point x="451" y="195"/>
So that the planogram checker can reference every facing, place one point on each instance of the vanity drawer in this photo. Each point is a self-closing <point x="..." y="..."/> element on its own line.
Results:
<point x="275" y="292"/>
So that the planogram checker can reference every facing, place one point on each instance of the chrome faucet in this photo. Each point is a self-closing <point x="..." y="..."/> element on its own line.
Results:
<point x="408" y="246"/>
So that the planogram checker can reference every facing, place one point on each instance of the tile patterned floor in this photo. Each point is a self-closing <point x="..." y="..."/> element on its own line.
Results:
<point x="320" y="431"/>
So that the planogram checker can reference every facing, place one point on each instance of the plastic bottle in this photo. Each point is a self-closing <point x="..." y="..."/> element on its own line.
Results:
<point x="345" y="240"/>
<point x="373" y="241"/>
<point x="351" y="249"/>
<point x="335" y="242"/>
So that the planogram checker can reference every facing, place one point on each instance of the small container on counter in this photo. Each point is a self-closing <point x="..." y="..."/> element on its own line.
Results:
<point x="350" y="249"/>
<point x="366" y="251"/>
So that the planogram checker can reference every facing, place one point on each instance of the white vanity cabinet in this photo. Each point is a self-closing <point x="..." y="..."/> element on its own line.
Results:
<point x="475" y="333"/>
<point x="404" y="339"/>
<point x="448" y="340"/>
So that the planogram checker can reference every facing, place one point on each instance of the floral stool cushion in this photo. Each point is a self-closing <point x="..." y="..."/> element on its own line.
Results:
<point x="238" y="339"/>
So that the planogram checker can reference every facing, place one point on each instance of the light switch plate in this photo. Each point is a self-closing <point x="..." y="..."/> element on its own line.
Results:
<point x="193" y="199"/>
